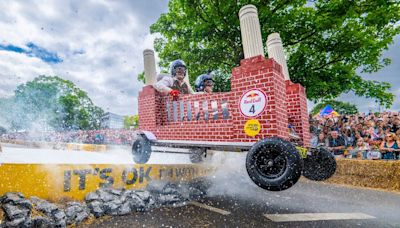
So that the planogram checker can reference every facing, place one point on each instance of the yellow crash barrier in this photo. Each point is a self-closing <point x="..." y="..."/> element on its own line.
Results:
<point x="58" y="182"/>
<point x="86" y="147"/>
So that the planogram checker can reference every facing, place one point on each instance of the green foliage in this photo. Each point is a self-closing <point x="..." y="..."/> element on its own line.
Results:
<point x="5" y="105"/>
<point x="141" y="77"/>
<point x="55" y="102"/>
<point x="340" y="107"/>
<point x="131" y="121"/>
<point x="2" y="130"/>
<point x="325" y="41"/>
<point x="222" y="82"/>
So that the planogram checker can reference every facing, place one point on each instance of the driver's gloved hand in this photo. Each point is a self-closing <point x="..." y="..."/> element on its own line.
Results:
<point x="174" y="94"/>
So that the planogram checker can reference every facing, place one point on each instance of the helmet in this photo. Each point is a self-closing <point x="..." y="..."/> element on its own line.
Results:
<point x="175" y="64"/>
<point x="200" y="81"/>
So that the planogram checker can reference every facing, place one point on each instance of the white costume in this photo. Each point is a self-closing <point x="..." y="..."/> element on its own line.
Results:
<point x="166" y="82"/>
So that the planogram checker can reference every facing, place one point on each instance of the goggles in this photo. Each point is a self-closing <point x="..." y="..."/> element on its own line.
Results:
<point x="180" y="68"/>
<point x="208" y="83"/>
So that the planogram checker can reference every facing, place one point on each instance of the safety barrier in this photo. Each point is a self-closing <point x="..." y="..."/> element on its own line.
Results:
<point x="57" y="145"/>
<point x="86" y="147"/>
<point x="379" y="174"/>
<point x="68" y="181"/>
<point x="36" y="144"/>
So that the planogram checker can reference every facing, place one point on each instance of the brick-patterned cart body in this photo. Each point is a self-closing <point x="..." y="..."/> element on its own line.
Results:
<point x="215" y="121"/>
<point x="216" y="117"/>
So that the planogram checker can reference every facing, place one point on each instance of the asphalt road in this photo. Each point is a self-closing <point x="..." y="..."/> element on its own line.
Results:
<point x="245" y="205"/>
<point x="234" y="201"/>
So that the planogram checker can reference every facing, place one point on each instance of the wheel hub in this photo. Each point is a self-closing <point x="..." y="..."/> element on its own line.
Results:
<point x="270" y="163"/>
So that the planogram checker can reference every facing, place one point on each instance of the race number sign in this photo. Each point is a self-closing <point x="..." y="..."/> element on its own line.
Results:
<point x="252" y="103"/>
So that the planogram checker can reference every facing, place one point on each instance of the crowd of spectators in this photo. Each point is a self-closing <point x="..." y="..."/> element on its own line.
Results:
<point x="363" y="136"/>
<point x="104" y="136"/>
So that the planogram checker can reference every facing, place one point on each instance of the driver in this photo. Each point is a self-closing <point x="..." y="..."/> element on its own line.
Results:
<point x="204" y="83"/>
<point x="174" y="85"/>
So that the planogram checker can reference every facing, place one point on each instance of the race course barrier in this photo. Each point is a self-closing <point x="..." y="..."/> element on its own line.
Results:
<point x="67" y="181"/>
<point x="58" y="145"/>
<point x="379" y="174"/>
<point x="36" y="144"/>
<point x="87" y="147"/>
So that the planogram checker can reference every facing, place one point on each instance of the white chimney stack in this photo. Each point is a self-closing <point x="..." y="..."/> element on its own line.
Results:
<point x="275" y="51"/>
<point x="149" y="66"/>
<point x="251" y="32"/>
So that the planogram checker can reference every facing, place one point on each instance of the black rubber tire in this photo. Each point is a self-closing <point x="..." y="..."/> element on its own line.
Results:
<point x="197" y="155"/>
<point x="283" y="168"/>
<point x="141" y="150"/>
<point x="320" y="165"/>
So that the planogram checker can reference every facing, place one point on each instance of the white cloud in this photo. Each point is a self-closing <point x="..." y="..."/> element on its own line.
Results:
<point x="16" y="68"/>
<point x="100" y="43"/>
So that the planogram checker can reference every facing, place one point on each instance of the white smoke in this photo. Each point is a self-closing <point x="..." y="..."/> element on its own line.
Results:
<point x="230" y="177"/>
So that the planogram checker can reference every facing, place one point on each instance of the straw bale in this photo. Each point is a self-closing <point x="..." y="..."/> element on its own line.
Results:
<point x="2" y="216"/>
<point x="365" y="173"/>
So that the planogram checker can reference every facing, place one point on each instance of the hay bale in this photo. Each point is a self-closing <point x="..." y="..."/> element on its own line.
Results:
<point x="2" y="216"/>
<point x="366" y="173"/>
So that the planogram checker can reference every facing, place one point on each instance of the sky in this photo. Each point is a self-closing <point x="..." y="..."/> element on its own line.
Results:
<point x="98" y="45"/>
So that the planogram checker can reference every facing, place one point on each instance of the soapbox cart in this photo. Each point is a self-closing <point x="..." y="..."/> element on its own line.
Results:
<point x="253" y="118"/>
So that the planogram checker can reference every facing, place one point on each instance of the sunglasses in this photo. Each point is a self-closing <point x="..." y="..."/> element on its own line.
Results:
<point x="209" y="84"/>
<point x="181" y="68"/>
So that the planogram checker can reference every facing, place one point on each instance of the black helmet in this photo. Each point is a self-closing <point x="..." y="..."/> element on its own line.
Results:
<point x="175" y="64"/>
<point x="200" y="81"/>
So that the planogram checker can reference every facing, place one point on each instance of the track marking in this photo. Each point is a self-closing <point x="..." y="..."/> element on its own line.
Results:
<point x="316" y="216"/>
<point x="214" y="209"/>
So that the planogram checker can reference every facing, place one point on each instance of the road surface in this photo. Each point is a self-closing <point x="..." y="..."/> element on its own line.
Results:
<point x="233" y="200"/>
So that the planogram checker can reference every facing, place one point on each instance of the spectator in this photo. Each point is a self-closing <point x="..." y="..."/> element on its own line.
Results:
<point x="336" y="144"/>
<point x="390" y="147"/>
<point x="396" y="124"/>
<point x="398" y="133"/>
<point x="349" y="137"/>
<point x="361" y="149"/>
<point x="330" y="123"/>
<point x="318" y="141"/>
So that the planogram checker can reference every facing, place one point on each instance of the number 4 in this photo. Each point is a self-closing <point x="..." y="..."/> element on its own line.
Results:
<point x="252" y="109"/>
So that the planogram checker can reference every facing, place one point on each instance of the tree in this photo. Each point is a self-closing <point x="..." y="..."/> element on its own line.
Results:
<point x="340" y="107"/>
<point x="131" y="121"/>
<point x="55" y="102"/>
<point x="2" y="130"/>
<point x="326" y="42"/>
<point x="141" y="77"/>
<point x="5" y="112"/>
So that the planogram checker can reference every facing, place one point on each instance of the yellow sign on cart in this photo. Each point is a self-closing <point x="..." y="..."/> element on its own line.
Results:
<point x="252" y="127"/>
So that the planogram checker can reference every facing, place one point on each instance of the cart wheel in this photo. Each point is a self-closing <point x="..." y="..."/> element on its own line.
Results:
<point x="197" y="155"/>
<point x="141" y="150"/>
<point x="320" y="165"/>
<point x="274" y="164"/>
